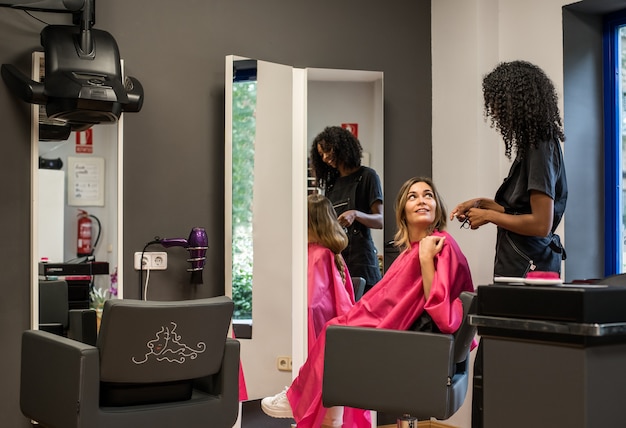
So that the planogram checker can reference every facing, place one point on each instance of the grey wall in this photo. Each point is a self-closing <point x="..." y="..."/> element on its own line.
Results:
<point x="173" y="148"/>
<point x="584" y="148"/>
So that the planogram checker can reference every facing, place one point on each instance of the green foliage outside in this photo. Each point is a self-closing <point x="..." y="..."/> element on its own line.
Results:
<point x="244" y="131"/>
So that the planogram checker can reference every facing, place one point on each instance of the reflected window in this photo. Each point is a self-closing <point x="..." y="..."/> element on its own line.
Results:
<point x="244" y="132"/>
<point x="618" y="153"/>
<point x="615" y="142"/>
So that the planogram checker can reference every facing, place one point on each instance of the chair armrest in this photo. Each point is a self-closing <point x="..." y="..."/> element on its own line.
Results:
<point x="386" y="370"/>
<point x="83" y="326"/>
<point x="59" y="368"/>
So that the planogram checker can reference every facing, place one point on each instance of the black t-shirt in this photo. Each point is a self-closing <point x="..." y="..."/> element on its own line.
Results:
<point x="542" y="169"/>
<point x="367" y="192"/>
<point x="358" y="191"/>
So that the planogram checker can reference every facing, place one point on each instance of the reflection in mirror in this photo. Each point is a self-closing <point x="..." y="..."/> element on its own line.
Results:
<point x="352" y="99"/>
<point x="244" y="93"/>
<point x="76" y="208"/>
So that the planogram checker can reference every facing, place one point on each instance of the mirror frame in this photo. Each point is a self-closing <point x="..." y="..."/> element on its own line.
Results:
<point x="34" y="206"/>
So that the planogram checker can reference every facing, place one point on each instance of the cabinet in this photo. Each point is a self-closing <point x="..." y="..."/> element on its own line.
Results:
<point x="552" y="356"/>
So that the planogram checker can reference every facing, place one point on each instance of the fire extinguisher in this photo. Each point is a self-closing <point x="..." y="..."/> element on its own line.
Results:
<point x="84" y="245"/>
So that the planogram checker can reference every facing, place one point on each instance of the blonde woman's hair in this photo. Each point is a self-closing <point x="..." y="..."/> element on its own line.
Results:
<point x="401" y="239"/>
<point x="326" y="230"/>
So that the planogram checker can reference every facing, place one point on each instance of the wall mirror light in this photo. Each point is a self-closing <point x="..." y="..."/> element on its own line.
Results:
<point x="273" y="112"/>
<point x="80" y="174"/>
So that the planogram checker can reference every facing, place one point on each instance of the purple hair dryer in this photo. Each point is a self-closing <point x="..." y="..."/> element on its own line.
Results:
<point x="197" y="244"/>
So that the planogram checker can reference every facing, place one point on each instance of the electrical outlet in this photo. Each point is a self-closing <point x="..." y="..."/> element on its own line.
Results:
<point x="152" y="260"/>
<point x="284" y="364"/>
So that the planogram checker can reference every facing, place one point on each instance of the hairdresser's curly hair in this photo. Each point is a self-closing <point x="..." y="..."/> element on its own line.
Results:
<point x="345" y="148"/>
<point x="522" y="104"/>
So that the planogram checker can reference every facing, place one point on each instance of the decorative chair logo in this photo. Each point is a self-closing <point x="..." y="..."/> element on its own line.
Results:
<point x="168" y="347"/>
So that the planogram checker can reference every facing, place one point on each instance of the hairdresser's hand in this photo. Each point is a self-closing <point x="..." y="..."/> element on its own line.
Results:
<point x="346" y="218"/>
<point x="430" y="246"/>
<point x="460" y="211"/>
<point x="477" y="217"/>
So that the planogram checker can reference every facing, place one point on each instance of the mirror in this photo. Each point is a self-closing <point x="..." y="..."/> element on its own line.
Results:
<point x="351" y="98"/>
<point x="80" y="174"/>
<point x="280" y="111"/>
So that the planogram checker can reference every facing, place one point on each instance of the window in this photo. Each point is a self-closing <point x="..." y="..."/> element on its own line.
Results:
<point x="615" y="141"/>
<point x="244" y="131"/>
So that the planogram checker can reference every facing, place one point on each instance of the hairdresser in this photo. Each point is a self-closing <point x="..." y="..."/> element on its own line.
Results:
<point x="523" y="107"/>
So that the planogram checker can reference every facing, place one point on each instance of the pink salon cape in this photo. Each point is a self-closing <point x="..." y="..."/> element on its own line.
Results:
<point x="328" y="296"/>
<point x="394" y="303"/>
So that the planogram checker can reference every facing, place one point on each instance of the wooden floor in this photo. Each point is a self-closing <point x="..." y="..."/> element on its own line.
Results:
<point x="253" y="417"/>
<point x="423" y="424"/>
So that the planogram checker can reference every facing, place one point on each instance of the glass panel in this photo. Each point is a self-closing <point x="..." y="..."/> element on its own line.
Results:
<point x="621" y="141"/>
<point x="244" y="132"/>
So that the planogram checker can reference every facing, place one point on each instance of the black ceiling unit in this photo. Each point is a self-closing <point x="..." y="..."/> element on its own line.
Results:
<point x="83" y="83"/>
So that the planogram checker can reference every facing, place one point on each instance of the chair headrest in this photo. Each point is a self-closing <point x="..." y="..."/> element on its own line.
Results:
<point x="358" y="283"/>
<point x="465" y="334"/>
<point x="145" y="341"/>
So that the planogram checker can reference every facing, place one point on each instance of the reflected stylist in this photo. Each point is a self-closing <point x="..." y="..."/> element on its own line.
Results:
<point x="356" y="194"/>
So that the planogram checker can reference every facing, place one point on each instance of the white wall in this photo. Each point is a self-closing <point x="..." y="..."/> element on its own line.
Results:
<point x="469" y="38"/>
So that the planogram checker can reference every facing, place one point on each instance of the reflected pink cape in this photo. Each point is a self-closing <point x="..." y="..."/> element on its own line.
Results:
<point x="394" y="303"/>
<point x="328" y="296"/>
<point x="243" y="390"/>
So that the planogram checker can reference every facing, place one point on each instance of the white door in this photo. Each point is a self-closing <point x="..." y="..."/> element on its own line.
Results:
<point x="278" y="225"/>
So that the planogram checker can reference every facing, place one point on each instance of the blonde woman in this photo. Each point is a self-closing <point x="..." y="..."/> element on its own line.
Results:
<point x="427" y="278"/>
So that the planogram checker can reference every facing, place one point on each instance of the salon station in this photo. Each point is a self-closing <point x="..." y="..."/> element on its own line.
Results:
<point x="156" y="179"/>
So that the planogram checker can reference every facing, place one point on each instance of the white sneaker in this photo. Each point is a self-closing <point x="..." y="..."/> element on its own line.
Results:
<point x="277" y="406"/>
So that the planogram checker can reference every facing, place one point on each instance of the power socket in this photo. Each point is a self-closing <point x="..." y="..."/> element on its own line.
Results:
<point x="284" y="363"/>
<point x="152" y="260"/>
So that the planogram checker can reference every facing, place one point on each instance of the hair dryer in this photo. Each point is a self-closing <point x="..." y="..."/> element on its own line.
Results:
<point x="196" y="244"/>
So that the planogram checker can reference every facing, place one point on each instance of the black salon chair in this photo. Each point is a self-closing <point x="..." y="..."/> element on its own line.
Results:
<point x="399" y="372"/>
<point x="55" y="315"/>
<point x="156" y="364"/>
<point x="54" y="307"/>
<point x="359" y="287"/>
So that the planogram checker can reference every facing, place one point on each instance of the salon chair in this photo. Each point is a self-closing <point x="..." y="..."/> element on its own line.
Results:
<point x="54" y="307"/>
<point x="400" y="373"/>
<point x="359" y="287"/>
<point x="55" y="315"/>
<point x="155" y="364"/>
